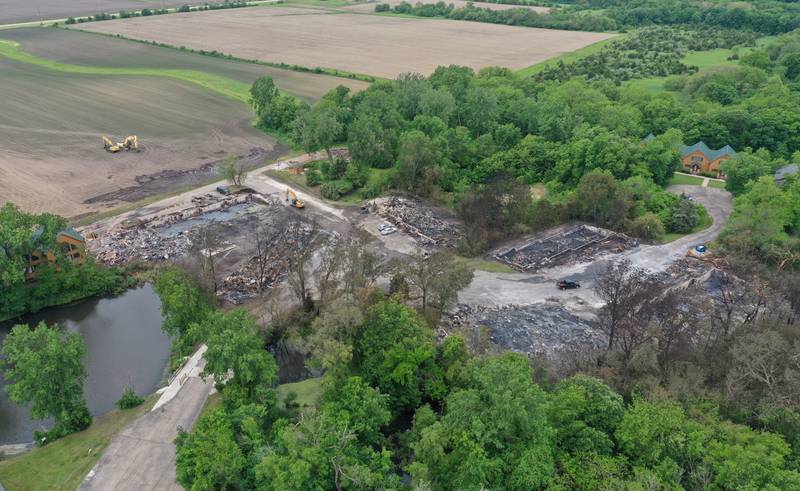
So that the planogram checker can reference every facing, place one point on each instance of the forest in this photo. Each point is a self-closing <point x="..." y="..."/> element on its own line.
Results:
<point x="691" y="390"/>
<point x="457" y="133"/>
<point x="766" y="16"/>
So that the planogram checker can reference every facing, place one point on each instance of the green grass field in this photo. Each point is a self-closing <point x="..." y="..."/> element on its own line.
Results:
<point x="63" y="464"/>
<point x="700" y="59"/>
<point x="307" y="391"/>
<point x="568" y="57"/>
<point x="478" y="264"/>
<point x="716" y="184"/>
<point x="678" y="179"/>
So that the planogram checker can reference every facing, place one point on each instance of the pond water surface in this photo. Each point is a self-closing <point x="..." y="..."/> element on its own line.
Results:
<point x="124" y="346"/>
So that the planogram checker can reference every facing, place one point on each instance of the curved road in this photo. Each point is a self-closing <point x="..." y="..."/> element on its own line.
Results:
<point x="529" y="288"/>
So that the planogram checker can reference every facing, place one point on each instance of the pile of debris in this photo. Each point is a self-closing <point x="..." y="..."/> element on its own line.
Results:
<point x="125" y="246"/>
<point x="429" y="226"/>
<point x="581" y="243"/>
<point x="531" y="329"/>
<point x="162" y="238"/>
<point x="249" y="280"/>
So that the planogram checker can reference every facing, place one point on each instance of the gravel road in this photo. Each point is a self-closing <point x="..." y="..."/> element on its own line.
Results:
<point x="497" y="289"/>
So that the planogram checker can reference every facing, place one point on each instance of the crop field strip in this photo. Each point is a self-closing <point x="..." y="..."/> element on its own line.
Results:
<point x="377" y="45"/>
<point x="12" y="11"/>
<point x="231" y="77"/>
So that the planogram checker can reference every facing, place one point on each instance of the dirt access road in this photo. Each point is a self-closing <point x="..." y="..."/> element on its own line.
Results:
<point x="497" y="289"/>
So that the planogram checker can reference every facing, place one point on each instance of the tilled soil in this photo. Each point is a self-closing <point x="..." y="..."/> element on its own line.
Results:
<point x="51" y="154"/>
<point x="90" y="49"/>
<point x="377" y="45"/>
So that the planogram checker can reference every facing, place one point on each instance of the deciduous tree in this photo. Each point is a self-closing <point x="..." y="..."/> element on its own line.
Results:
<point x="44" y="367"/>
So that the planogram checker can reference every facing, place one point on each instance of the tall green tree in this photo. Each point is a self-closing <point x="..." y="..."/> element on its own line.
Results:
<point x="237" y="359"/>
<point x="742" y="169"/>
<point x="44" y="367"/>
<point x="494" y="433"/>
<point x="416" y="159"/>
<point x="209" y="458"/>
<point x="20" y="234"/>
<point x="319" y="128"/>
<point x="395" y="351"/>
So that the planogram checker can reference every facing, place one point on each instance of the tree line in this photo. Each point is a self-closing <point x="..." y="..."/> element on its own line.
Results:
<point x="768" y="17"/>
<point x="653" y="409"/>
<point x="448" y="135"/>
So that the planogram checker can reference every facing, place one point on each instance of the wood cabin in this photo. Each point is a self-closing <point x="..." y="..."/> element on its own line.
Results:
<point x="71" y="243"/>
<point x="700" y="159"/>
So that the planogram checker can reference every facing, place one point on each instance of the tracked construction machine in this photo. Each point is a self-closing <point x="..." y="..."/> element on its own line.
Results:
<point x="130" y="144"/>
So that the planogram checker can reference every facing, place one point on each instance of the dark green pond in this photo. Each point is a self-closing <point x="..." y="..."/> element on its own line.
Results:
<point x="124" y="345"/>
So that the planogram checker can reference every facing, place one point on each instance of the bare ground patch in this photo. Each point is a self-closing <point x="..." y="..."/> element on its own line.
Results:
<point x="378" y="45"/>
<point x="51" y="156"/>
<point x="12" y="11"/>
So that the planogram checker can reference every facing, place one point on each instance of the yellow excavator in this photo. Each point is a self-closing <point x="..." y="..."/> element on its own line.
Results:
<point x="294" y="200"/>
<point x="130" y="143"/>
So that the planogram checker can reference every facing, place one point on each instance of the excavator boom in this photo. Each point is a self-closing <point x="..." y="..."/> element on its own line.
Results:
<point x="129" y="143"/>
<point x="294" y="200"/>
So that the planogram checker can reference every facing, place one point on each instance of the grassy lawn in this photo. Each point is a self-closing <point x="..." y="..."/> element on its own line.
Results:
<point x="490" y="266"/>
<point x="308" y="392"/>
<point x="684" y="179"/>
<point x="64" y="463"/>
<point x="702" y="59"/>
<point x="568" y="57"/>
<point x="704" y="223"/>
<point x="716" y="184"/>
<point x="227" y="87"/>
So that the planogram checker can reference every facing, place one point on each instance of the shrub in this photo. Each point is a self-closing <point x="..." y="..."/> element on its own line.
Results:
<point x="129" y="399"/>
<point x="356" y="174"/>
<point x="681" y="217"/>
<point x="313" y="177"/>
<point x="383" y="7"/>
<point x="334" y="190"/>
<point x="647" y="226"/>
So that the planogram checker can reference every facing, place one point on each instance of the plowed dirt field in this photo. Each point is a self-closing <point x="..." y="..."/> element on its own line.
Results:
<point x="377" y="45"/>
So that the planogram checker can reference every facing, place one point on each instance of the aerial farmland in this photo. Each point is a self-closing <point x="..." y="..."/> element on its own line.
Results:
<point x="370" y="44"/>
<point x="66" y="89"/>
<point x="12" y="11"/>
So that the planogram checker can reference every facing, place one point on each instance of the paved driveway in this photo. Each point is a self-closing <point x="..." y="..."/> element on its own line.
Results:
<point x="495" y="289"/>
<point x="142" y="457"/>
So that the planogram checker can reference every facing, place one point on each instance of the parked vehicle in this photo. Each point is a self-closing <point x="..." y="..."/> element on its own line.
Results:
<point x="567" y="285"/>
